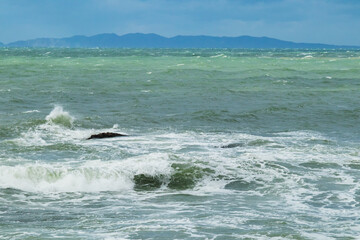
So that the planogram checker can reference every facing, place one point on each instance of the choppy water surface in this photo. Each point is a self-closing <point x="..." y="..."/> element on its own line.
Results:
<point x="223" y="144"/>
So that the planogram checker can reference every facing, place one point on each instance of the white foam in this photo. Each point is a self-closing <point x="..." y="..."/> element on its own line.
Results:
<point x="286" y="173"/>
<point x="44" y="178"/>
<point x="32" y="111"/>
<point x="314" y="235"/>
<point x="219" y="55"/>
<point x="31" y="138"/>
<point x="308" y="57"/>
<point x="58" y="128"/>
<point x="59" y="116"/>
<point x="258" y="159"/>
<point x="92" y="176"/>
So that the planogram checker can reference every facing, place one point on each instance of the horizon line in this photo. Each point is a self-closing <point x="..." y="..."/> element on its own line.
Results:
<point x="201" y="35"/>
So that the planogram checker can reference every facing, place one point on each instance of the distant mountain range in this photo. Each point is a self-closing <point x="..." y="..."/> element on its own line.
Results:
<point x="140" y="40"/>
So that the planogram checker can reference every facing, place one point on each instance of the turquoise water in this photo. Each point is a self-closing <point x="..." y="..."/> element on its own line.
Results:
<point x="223" y="144"/>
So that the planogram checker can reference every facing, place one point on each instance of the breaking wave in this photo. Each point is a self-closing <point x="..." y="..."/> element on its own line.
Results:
<point x="140" y="173"/>
<point x="60" y="117"/>
<point x="92" y="176"/>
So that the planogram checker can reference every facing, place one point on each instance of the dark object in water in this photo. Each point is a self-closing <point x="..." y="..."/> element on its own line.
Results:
<point x="241" y="185"/>
<point x="106" y="135"/>
<point x="233" y="145"/>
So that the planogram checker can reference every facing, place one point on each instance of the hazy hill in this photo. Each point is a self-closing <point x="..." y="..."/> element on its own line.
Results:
<point x="139" y="40"/>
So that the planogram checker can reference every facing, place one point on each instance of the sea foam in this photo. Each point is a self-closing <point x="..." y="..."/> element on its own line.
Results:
<point x="91" y="176"/>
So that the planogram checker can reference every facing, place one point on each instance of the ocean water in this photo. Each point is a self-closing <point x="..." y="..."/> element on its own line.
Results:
<point x="222" y="144"/>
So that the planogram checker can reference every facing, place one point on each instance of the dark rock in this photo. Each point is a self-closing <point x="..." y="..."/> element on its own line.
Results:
<point x="106" y="135"/>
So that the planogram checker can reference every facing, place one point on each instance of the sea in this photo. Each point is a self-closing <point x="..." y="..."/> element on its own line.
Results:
<point x="221" y="143"/>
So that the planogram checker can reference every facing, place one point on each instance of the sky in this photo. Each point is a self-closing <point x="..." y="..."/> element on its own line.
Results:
<point x="310" y="21"/>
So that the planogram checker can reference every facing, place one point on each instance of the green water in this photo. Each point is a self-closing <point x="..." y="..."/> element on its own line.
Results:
<point x="222" y="144"/>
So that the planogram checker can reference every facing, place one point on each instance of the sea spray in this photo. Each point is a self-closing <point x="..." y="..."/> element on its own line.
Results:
<point x="60" y="117"/>
<point x="56" y="128"/>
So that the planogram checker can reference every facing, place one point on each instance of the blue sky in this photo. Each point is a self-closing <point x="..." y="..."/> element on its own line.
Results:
<point x="316" y="21"/>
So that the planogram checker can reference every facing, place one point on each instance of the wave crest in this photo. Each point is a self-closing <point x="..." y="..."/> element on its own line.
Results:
<point x="92" y="176"/>
<point x="59" y="117"/>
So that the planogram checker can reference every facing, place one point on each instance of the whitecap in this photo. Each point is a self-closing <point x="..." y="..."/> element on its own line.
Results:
<point x="218" y="55"/>
<point x="307" y="57"/>
<point x="60" y="117"/>
<point x="91" y="176"/>
<point x="58" y="128"/>
<point x="32" y="111"/>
